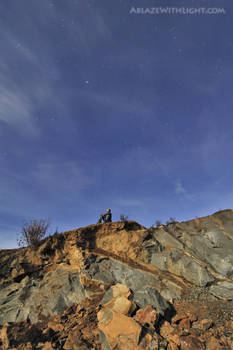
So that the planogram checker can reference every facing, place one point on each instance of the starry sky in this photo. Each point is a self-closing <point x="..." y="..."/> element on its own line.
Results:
<point x="104" y="108"/>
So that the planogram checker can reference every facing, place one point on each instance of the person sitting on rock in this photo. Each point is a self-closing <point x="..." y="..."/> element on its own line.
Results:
<point x="107" y="217"/>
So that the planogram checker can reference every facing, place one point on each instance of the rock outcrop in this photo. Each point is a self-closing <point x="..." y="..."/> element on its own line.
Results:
<point x="122" y="286"/>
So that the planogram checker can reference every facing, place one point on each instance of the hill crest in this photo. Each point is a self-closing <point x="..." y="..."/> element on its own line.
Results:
<point x="103" y="275"/>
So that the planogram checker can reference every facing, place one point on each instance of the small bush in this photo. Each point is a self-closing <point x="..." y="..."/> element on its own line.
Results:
<point x="56" y="232"/>
<point x="158" y="223"/>
<point x="32" y="232"/>
<point x="171" y="221"/>
<point x="123" y="218"/>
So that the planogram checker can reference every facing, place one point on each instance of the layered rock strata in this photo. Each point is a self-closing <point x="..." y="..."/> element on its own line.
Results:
<point x="122" y="286"/>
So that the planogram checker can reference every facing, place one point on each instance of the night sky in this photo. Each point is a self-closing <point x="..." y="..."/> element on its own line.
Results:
<point x="102" y="107"/>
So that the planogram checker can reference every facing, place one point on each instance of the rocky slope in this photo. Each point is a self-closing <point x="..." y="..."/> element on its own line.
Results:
<point x="122" y="286"/>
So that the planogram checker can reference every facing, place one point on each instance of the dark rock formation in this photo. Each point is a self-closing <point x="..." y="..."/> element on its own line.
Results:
<point x="95" y="287"/>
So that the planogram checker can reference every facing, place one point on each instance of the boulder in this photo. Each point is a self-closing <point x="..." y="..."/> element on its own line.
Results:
<point x="146" y="316"/>
<point x="119" y="331"/>
<point x="117" y="290"/>
<point x="122" y="305"/>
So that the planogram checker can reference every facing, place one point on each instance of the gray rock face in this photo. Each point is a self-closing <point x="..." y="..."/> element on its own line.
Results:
<point x="214" y="248"/>
<point x="197" y="250"/>
<point x="167" y="240"/>
<point x="210" y="240"/>
<point x="111" y="271"/>
<point x="193" y="272"/>
<point x="31" y="298"/>
<point x="182" y="265"/>
<point x="146" y="296"/>
<point x="222" y="290"/>
<point x="142" y="284"/>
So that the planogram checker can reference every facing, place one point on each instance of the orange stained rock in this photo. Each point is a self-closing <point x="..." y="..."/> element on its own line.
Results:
<point x="122" y="305"/>
<point x="105" y="315"/>
<point x="146" y="315"/>
<point x="205" y="324"/>
<point x="149" y="342"/>
<point x="174" y="338"/>
<point x="179" y="317"/>
<point x="185" y="325"/>
<point x="121" y="290"/>
<point x="129" y="243"/>
<point x="121" y="331"/>
<point x="166" y="329"/>
<point x="193" y="317"/>
<point x="55" y="326"/>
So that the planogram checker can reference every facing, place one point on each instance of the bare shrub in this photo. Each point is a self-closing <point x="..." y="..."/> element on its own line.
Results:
<point x="158" y="223"/>
<point x="32" y="232"/>
<point x="171" y="221"/>
<point x="56" y="232"/>
<point x="123" y="218"/>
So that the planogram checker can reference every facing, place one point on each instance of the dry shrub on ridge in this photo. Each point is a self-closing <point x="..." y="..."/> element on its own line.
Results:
<point x="32" y="232"/>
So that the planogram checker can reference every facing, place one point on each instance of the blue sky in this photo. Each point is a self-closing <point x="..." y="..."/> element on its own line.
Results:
<point x="104" y="108"/>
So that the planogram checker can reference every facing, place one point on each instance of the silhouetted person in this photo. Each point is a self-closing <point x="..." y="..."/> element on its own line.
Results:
<point x="107" y="217"/>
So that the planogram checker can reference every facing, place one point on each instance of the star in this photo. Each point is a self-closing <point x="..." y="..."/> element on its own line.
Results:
<point x="87" y="81"/>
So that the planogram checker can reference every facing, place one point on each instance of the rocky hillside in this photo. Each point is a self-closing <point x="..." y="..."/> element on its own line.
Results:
<point x="122" y="286"/>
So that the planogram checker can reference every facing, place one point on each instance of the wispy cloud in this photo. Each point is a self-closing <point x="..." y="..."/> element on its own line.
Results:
<point x="181" y="191"/>
<point x="15" y="107"/>
<point x="28" y="73"/>
<point x="27" y="77"/>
